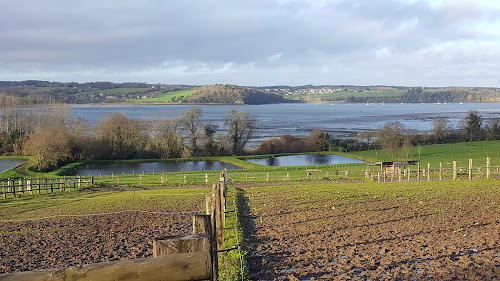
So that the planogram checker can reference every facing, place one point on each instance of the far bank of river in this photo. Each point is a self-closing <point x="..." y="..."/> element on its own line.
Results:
<point x="339" y="120"/>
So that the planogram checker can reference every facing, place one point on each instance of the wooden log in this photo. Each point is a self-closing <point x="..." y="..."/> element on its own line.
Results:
<point x="175" y="267"/>
<point x="177" y="245"/>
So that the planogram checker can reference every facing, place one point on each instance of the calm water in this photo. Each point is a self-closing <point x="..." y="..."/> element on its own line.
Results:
<point x="339" y="120"/>
<point x="149" y="167"/>
<point x="304" y="160"/>
<point x="6" y="164"/>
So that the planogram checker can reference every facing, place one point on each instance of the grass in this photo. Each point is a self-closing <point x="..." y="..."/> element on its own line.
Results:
<point x="168" y="97"/>
<point x="88" y="201"/>
<point x="233" y="264"/>
<point x="434" y="155"/>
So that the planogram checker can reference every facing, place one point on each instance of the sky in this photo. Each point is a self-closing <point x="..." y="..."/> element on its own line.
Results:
<point x="253" y="43"/>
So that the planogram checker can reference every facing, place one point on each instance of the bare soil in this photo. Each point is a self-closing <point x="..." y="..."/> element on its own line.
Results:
<point x="64" y="242"/>
<point x="308" y="236"/>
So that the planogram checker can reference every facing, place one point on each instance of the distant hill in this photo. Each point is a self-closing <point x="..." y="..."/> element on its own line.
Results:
<point x="232" y="94"/>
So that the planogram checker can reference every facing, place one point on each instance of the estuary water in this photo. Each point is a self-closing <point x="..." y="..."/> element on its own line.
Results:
<point x="340" y="120"/>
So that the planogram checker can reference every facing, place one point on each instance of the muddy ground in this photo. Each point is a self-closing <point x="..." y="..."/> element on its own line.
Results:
<point x="63" y="242"/>
<point x="329" y="234"/>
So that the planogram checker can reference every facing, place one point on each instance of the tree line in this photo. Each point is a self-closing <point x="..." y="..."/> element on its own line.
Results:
<point x="53" y="137"/>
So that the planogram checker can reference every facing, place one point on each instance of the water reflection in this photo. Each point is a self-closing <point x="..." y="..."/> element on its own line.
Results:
<point x="304" y="160"/>
<point x="149" y="167"/>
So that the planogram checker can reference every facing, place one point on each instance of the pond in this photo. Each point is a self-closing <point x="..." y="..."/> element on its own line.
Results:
<point x="149" y="167"/>
<point x="304" y="160"/>
<point x="7" y="163"/>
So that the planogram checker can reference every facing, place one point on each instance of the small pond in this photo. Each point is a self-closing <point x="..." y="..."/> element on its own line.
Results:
<point x="7" y="163"/>
<point x="304" y="160"/>
<point x="149" y="167"/>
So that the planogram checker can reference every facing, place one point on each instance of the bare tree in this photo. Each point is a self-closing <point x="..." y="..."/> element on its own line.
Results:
<point x="439" y="128"/>
<point x="393" y="138"/>
<point x="240" y="126"/>
<point x="192" y="125"/>
<point x="120" y="135"/>
<point x="164" y="140"/>
<point x="48" y="148"/>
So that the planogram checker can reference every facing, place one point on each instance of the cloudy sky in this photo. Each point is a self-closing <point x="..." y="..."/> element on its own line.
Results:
<point x="257" y="42"/>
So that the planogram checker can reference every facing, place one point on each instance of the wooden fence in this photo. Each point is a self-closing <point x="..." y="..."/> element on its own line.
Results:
<point x="445" y="171"/>
<point x="192" y="257"/>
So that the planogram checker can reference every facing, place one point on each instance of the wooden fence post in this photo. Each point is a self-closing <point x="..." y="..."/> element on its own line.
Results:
<point x="28" y="186"/>
<point x="21" y="186"/>
<point x="488" y="168"/>
<point x="206" y="177"/>
<point x="418" y="171"/>
<point x="454" y="170"/>
<point x="409" y="173"/>
<point x="218" y="215"/>
<point x="117" y="181"/>
<point x="202" y="224"/>
<point x="79" y="182"/>
<point x="428" y="171"/>
<point x="246" y="177"/>
<point x="440" y="171"/>
<point x="140" y="179"/>
<point x="185" y="179"/>
<point x="470" y="169"/>
<point x="287" y="176"/>
<point x="267" y="176"/>
<point x="3" y="189"/>
<point x="399" y="174"/>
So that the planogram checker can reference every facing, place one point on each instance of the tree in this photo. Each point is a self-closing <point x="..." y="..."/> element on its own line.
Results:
<point x="120" y="135"/>
<point x="48" y="148"/>
<point x="240" y="126"/>
<point x="472" y="128"/>
<point x="192" y="125"/>
<point x="393" y="138"/>
<point x="164" y="140"/>
<point x="439" y="128"/>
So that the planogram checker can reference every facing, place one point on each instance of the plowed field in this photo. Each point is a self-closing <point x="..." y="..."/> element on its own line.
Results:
<point x="392" y="231"/>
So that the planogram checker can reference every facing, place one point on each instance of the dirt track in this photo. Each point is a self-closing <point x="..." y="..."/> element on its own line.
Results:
<point x="64" y="242"/>
<point x="308" y="235"/>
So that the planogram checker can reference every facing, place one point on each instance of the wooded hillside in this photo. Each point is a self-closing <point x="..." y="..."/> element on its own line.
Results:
<point x="232" y="94"/>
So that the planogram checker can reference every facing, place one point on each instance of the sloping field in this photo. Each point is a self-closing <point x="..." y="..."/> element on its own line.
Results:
<point x="90" y="226"/>
<point x="374" y="231"/>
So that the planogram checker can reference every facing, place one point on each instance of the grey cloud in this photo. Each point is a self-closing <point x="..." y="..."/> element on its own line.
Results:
<point x="170" y="41"/>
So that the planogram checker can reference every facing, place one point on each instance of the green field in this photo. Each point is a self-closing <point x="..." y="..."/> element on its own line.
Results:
<point x="168" y="97"/>
<point x="87" y="201"/>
